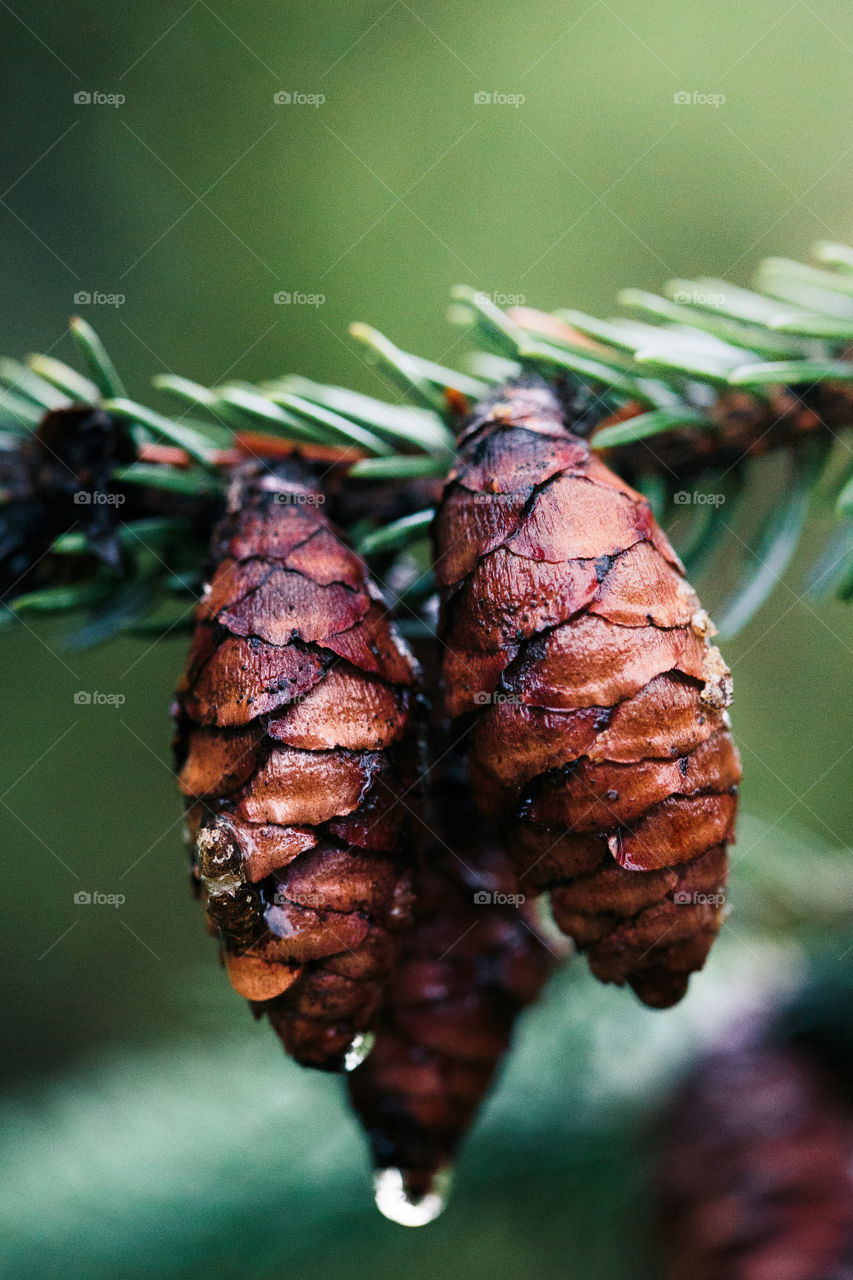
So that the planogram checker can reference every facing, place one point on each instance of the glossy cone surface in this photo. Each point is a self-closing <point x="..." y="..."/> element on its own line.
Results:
<point x="467" y="968"/>
<point x="296" y="740"/>
<point x="580" y="660"/>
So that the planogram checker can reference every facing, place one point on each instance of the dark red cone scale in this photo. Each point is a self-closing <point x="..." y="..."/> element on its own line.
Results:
<point x="298" y="754"/>
<point x="579" y="659"/>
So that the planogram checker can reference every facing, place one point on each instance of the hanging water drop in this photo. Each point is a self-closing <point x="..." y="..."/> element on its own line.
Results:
<point x="359" y="1050"/>
<point x="413" y="1197"/>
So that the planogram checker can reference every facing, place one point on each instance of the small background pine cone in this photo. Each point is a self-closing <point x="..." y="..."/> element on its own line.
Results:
<point x="756" y="1177"/>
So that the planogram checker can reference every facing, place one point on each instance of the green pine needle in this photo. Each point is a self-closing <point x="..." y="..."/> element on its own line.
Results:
<point x="733" y="332"/>
<point x="491" y="368"/>
<point x="813" y="325"/>
<point x="722" y="298"/>
<point x="791" y="372"/>
<point x="400" y="365"/>
<point x="185" y="388"/>
<point x="645" y="425"/>
<point x="191" y="481"/>
<point x="547" y="358"/>
<point x="401" y="466"/>
<point x="18" y="411"/>
<point x="23" y="381"/>
<point x="61" y="599"/>
<point x="175" y="433"/>
<point x="338" y="429"/>
<point x="402" y="425"/>
<point x="844" y="502"/>
<point x="773" y="270"/>
<point x="153" y="531"/>
<point x="684" y="361"/>
<point x="495" y="324"/>
<point x="240" y="406"/>
<point x="99" y="364"/>
<point x="839" y="255"/>
<point x="776" y="547"/>
<point x="64" y="378"/>
<point x="399" y="533"/>
<point x="451" y="378"/>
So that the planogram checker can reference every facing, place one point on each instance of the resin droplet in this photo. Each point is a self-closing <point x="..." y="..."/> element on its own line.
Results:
<point x="359" y="1050"/>
<point x="411" y="1198"/>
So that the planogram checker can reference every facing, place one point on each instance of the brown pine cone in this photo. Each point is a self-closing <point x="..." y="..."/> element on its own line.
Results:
<point x="297" y="746"/>
<point x="470" y="963"/>
<point x="579" y="659"/>
<point x="756" y="1173"/>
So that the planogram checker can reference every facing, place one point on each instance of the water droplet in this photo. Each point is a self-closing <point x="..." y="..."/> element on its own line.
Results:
<point x="359" y="1050"/>
<point x="399" y="1201"/>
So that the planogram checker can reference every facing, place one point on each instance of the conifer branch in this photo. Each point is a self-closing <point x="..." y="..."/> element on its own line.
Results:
<point x="108" y="503"/>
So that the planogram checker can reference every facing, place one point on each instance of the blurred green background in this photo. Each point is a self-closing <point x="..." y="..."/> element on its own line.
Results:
<point x="151" y="1128"/>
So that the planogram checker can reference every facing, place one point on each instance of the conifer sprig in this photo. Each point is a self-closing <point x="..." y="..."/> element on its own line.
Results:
<point x="689" y="392"/>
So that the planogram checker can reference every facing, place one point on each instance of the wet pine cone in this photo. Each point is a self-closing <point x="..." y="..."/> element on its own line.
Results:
<point x="298" y="749"/>
<point x="579" y="660"/>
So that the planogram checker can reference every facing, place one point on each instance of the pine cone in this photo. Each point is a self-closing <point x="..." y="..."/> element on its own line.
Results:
<point x="579" y="659"/>
<point x="297" y="746"/>
<point x="756" y="1177"/>
<point x="471" y="962"/>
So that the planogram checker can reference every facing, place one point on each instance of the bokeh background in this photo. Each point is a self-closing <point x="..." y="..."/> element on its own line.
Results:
<point x="151" y="1129"/>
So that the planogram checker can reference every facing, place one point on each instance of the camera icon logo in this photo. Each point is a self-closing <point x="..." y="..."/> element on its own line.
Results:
<point x="82" y="498"/>
<point x="282" y="97"/>
<point x="482" y="898"/>
<point x="482" y="99"/>
<point x="82" y="898"/>
<point x="681" y="898"/>
<point x="481" y="697"/>
<point x="82" y="698"/>
<point x="282" y="298"/>
<point x="681" y="498"/>
<point x="82" y="98"/>
<point x="680" y="99"/>
<point x="82" y="299"/>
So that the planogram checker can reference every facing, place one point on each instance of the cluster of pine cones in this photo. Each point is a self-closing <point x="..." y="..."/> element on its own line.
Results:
<point x="360" y="901"/>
